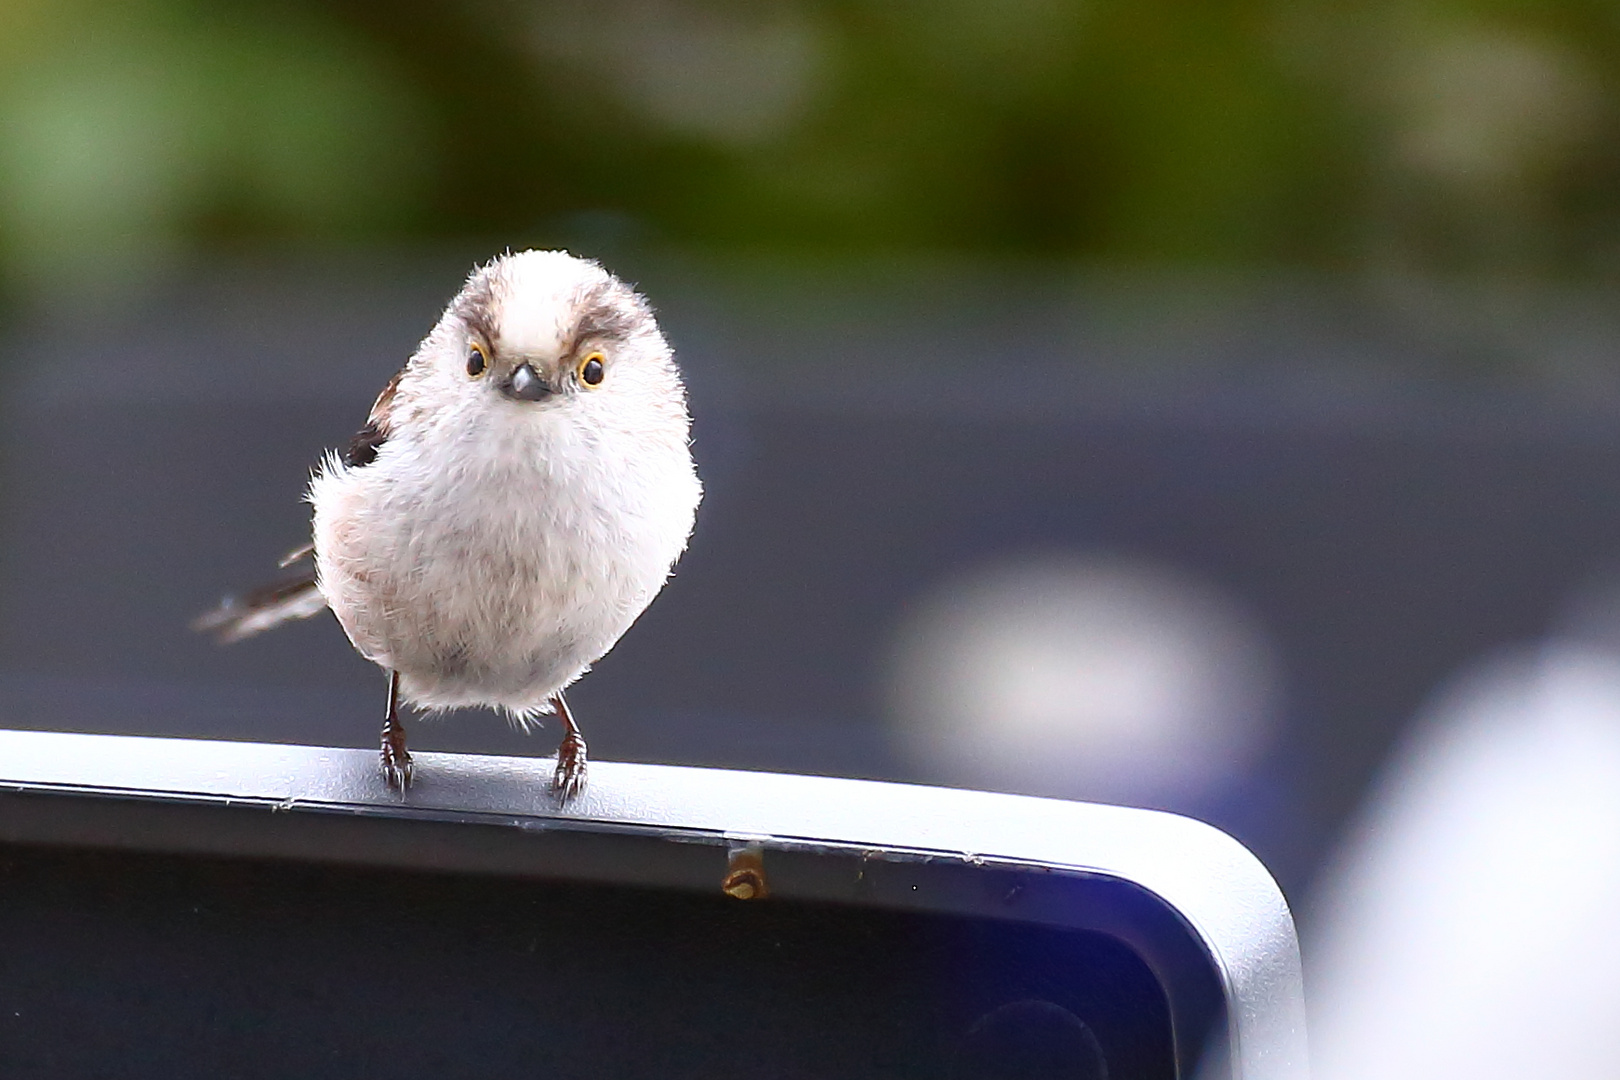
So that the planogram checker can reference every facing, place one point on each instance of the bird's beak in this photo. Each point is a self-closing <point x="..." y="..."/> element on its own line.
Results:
<point x="527" y="385"/>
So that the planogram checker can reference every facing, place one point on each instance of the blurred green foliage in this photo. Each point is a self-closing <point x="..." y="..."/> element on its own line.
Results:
<point x="1470" y="135"/>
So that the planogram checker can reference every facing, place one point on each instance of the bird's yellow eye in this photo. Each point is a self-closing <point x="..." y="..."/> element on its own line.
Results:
<point x="477" y="361"/>
<point x="591" y="371"/>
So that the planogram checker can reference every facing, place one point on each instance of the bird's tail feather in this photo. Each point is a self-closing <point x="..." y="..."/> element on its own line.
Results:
<point x="262" y="609"/>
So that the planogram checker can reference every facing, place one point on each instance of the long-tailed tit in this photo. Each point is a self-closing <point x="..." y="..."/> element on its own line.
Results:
<point x="515" y="500"/>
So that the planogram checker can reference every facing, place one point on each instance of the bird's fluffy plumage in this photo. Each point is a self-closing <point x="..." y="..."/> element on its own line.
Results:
<point x="487" y="546"/>
<point x="491" y="549"/>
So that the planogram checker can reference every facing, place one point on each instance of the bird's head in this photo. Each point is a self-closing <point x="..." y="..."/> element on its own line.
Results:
<point x="542" y="333"/>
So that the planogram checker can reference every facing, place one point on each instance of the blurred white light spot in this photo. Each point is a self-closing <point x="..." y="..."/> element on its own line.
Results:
<point x="1095" y="678"/>
<point x="1468" y="927"/>
<point x="1482" y="109"/>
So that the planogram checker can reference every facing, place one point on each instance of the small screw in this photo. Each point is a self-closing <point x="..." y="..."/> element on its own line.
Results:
<point x="745" y="878"/>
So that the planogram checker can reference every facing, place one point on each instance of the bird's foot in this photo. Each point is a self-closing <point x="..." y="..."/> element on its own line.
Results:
<point x="396" y="760"/>
<point x="569" y="779"/>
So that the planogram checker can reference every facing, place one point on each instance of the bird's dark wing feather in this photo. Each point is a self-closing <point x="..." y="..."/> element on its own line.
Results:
<point x="258" y="610"/>
<point x="297" y="554"/>
<point x="362" y="449"/>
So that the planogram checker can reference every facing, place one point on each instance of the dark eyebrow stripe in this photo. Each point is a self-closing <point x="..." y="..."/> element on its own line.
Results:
<point x="476" y="305"/>
<point x="605" y="314"/>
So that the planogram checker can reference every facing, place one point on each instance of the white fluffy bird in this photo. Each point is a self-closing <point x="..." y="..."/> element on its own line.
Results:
<point x="519" y="494"/>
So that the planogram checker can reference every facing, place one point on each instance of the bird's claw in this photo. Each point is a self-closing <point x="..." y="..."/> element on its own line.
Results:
<point x="568" y="782"/>
<point x="396" y="764"/>
<point x="397" y="774"/>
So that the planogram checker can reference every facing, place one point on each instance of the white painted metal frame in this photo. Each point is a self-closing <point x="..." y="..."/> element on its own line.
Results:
<point x="1220" y="891"/>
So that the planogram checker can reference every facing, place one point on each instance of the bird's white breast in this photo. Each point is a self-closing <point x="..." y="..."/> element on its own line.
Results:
<point x="491" y="558"/>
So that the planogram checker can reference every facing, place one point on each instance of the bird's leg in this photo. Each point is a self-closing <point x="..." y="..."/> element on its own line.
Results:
<point x="396" y="760"/>
<point x="569" y="779"/>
